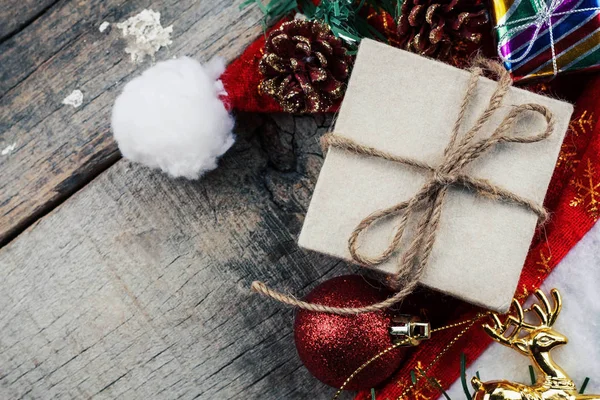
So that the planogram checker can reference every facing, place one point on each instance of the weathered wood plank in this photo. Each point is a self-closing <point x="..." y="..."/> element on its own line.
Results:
<point x="16" y="14"/>
<point x="58" y="148"/>
<point x="137" y="286"/>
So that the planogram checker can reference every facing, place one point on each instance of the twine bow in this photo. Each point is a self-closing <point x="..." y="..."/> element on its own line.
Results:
<point x="544" y="12"/>
<point x="429" y="199"/>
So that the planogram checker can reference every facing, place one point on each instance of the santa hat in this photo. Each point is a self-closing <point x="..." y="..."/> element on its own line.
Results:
<point x="176" y="115"/>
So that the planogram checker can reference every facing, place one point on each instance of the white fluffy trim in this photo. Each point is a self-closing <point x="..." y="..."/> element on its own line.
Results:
<point x="171" y="118"/>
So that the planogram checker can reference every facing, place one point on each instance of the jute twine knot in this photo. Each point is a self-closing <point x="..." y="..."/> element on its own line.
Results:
<point x="429" y="199"/>
<point x="442" y="179"/>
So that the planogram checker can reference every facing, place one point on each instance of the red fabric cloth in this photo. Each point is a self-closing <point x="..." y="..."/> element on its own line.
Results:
<point x="574" y="200"/>
<point x="241" y="79"/>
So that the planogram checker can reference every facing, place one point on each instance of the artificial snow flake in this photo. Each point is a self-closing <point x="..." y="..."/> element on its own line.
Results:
<point x="104" y="26"/>
<point x="145" y="35"/>
<point x="9" y="149"/>
<point x="75" y="99"/>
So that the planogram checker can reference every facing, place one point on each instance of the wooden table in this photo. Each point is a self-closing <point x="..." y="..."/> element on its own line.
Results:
<point x="117" y="281"/>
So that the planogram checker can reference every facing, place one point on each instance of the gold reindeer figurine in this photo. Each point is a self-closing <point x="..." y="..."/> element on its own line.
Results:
<point x="534" y="341"/>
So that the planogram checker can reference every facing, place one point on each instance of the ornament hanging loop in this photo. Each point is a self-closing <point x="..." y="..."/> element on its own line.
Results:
<point x="408" y="327"/>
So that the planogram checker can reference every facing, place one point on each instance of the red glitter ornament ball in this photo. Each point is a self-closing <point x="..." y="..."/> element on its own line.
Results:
<point x="332" y="346"/>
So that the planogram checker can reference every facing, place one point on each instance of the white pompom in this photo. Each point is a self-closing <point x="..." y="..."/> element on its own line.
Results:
<point x="171" y="117"/>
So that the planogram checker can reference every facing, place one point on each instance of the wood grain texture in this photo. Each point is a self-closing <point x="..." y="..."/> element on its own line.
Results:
<point x="58" y="148"/>
<point x="16" y="14"/>
<point x="137" y="286"/>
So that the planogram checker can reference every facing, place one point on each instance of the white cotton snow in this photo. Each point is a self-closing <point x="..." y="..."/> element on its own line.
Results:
<point x="9" y="149"/>
<point x="144" y="34"/>
<point x="171" y="118"/>
<point x="104" y="26"/>
<point x="75" y="99"/>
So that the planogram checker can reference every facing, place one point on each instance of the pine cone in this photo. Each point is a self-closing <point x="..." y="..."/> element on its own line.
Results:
<point x="305" y="67"/>
<point x="430" y="27"/>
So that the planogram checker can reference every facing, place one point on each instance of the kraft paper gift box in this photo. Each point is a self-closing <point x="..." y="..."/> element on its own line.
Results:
<point x="406" y="105"/>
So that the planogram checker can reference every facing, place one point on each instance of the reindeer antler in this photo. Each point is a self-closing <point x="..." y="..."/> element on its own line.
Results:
<point x="535" y="339"/>
<point x="546" y="314"/>
<point x="500" y="329"/>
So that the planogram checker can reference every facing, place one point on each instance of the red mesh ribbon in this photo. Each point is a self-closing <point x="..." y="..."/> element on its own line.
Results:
<point x="574" y="200"/>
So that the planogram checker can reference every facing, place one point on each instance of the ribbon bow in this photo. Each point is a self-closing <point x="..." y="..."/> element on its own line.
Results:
<point x="459" y="153"/>
<point x="544" y="12"/>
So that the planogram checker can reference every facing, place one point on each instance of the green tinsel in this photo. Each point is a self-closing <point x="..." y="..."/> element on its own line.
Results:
<point x="532" y="374"/>
<point x="342" y="16"/>
<point x="463" y="375"/>
<point x="585" y="383"/>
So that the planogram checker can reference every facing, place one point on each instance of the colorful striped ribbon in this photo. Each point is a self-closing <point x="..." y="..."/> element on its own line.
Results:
<point x="544" y="13"/>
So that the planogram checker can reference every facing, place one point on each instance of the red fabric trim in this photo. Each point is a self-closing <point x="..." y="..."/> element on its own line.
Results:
<point x="241" y="79"/>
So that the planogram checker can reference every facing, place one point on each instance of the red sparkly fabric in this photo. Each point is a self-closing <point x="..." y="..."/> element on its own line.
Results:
<point x="574" y="200"/>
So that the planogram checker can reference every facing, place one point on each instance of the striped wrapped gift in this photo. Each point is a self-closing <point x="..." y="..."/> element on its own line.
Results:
<point x="538" y="38"/>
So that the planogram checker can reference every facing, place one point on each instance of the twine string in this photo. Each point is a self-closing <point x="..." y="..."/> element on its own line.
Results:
<point x="429" y="199"/>
<point x="544" y="12"/>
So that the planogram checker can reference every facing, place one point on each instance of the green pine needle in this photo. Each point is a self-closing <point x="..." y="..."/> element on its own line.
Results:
<point x="585" y="383"/>
<point x="434" y="383"/>
<point x="373" y="394"/>
<point x="274" y="10"/>
<point x="532" y="375"/>
<point x="441" y="389"/>
<point x="477" y="374"/>
<point x="343" y="16"/>
<point x="413" y="377"/>
<point x="463" y="375"/>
